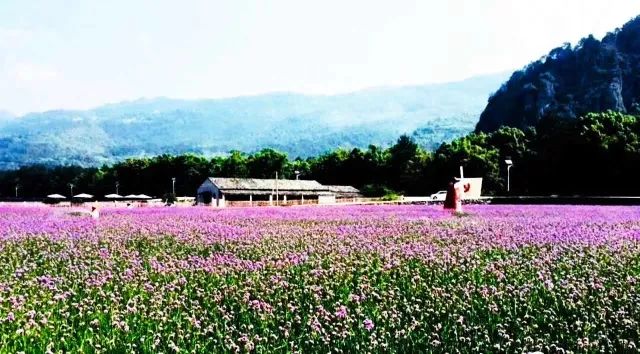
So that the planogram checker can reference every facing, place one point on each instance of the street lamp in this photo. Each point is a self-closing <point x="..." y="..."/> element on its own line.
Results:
<point x="71" y="188"/>
<point x="117" y="185"/>
<point x="509" y="165"/>
<point x="297" y="174"/>
<point x="173" y="185"/>
<point x="17" y="186"/>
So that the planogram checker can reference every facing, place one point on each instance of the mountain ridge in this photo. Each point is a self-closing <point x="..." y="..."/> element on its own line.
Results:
<point x="298" y="124"/>
<point x="593" y="76"/>
<point x="152" y="99"/>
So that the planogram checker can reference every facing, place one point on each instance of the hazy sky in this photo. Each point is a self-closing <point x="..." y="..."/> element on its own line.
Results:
<point x="81" y="53"/>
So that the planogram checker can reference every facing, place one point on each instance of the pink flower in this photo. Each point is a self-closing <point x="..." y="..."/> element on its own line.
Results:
<point x="368" y="324"/>
<point x="342" y="312"/>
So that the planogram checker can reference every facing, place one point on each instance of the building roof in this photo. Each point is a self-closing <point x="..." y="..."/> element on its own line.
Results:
<point x="343" y="189"/>
<point x="228" y="185"/>
<point x="272" y="192"/>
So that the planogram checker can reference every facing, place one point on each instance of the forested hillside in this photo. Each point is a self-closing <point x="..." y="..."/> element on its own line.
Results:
<point x="594" y="76"/>
<point x="597" y="154"/>
<point x="298" y="125"/>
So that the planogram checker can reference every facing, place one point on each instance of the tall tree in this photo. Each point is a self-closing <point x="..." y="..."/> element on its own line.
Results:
<point x="266" y="163"/>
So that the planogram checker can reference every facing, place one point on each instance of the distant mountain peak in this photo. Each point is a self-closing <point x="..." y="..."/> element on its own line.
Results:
<point x="594" y="76"/>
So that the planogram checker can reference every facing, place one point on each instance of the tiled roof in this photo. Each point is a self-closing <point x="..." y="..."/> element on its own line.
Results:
<point x="228" y="184"/>
<point x="343" y="189"/>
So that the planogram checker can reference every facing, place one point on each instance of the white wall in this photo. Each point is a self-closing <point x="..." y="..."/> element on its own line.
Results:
<point x="326" y="199"/>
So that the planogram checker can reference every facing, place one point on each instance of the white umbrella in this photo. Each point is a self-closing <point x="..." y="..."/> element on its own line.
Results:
<point x="56" y="196"/>
<point x="113" y="196"/>
<point x="83" y="196"/>
<point x="143" y="196"/>
<point x="131" y="196"/>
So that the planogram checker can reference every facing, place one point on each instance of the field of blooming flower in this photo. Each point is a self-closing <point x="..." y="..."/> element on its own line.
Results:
<point x="337" y="279"/>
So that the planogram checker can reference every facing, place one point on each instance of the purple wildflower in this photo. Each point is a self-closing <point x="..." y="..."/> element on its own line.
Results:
<point x="368" y="324"/>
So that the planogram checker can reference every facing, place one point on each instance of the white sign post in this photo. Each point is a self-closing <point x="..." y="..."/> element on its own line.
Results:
<point x="459" y="191"/>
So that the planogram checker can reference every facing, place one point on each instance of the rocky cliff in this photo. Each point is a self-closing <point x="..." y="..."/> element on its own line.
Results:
<point x="593" y="76"/>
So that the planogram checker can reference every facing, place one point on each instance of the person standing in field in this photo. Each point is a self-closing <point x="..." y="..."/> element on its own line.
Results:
<point x="449" y="201"/>
<point x="453" y="200"/>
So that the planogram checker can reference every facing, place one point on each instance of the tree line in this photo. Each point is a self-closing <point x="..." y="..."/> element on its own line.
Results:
<point x="597" y="154"/>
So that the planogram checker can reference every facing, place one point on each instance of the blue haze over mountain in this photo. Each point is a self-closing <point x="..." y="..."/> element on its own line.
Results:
<point x="300" y="125"/>
<point x="4" y="115"/>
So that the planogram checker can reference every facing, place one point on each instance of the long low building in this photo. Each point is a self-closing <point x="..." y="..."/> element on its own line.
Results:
<point x="345" y="191"/>
<point x="217" y="191"/>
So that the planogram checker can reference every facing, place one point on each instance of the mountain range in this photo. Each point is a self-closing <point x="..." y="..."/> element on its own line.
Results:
<point x="592" y="76"/>
<point x="300" y="125"/>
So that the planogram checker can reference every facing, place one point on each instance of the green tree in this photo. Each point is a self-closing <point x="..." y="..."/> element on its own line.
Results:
<point x="266" y="163"/>
<point x="235" y="165"/>
<point x="475" y="154"/>
<point x="405" y="163"/>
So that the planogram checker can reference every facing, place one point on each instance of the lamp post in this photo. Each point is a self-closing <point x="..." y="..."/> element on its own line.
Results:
<point x="509" y="165"/>
<point x="297" y="174"/>
<point x="173" y="185"/>
<point x="117" y="186"/>
<point x="17" y="186"/>
<point x="71" y="189"/>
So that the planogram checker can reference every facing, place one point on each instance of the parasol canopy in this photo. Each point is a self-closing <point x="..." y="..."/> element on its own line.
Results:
<point x="113" y="196"/>
<point x="56" y="196"/>
<point x="83" y="196"/>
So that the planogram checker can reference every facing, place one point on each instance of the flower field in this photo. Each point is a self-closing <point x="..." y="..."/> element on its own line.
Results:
<point x="321" y="279"/>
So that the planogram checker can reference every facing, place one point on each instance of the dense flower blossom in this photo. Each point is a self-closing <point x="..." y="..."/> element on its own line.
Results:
<point x="320" y="279"/>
